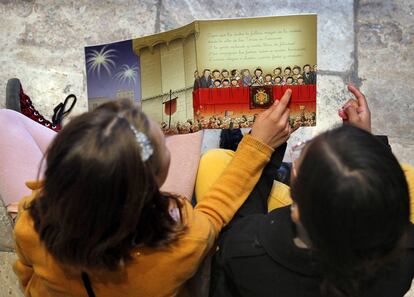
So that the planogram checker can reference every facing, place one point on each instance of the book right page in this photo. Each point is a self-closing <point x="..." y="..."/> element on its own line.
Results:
<point x="246" y="64"/>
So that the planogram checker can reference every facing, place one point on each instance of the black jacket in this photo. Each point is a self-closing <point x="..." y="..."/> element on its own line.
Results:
<point x="310" y="78"/>
<point x="257" y="257"/>
<point x="204" y="82"/>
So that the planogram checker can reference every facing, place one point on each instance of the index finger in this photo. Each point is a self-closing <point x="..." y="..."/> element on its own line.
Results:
<point x="352" y="114"/>
<point x="358" y="95"/>
<point x="283" y="103"/>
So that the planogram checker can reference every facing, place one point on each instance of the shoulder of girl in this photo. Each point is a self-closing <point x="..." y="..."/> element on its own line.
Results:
<point x="409" y="175"/>
<point x="24" y="203"/>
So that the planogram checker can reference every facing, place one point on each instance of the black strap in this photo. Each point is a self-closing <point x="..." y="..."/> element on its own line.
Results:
<point x="59" y="112"/>
<point x="87" y="284"/>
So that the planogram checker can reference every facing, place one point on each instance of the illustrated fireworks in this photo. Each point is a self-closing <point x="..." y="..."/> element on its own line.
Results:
<point x="96" y="60"/>
<point x="111" y="70"/>
<point x="127" y="74"/>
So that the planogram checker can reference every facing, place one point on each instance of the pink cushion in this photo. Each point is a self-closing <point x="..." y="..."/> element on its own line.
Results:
<point x="23" y="144"/>
<point x="185" y="155"/>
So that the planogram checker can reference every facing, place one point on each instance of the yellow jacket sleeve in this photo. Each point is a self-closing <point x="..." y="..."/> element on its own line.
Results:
<point x="22" y="267"/>
<point x="409" y="175"/>
<point x="236" y="182"/>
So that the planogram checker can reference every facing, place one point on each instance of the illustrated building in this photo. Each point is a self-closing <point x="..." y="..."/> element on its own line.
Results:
<point x="125" y="94"/>
<point x="168" y="62"/>
<point x="95" y="102"/>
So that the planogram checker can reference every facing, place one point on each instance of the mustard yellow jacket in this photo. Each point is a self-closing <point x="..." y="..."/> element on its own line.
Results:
<point x="152" y="272"/>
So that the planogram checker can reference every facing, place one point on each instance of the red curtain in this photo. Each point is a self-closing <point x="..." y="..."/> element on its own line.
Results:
<point x="211" y="100"/>
<point x="206" y="96"/>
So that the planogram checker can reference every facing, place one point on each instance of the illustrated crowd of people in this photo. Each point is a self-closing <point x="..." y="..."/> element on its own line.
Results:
<point x="213" y="122"/>
<point x="288" y="75"/>
<point x="302" y="119"/>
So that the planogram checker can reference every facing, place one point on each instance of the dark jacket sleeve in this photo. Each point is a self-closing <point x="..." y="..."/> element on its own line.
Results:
<point x="222" y="286"/>
<point x="257" y="200"/>
<point x="383" y="139"/>
<point x="241" y="241"/>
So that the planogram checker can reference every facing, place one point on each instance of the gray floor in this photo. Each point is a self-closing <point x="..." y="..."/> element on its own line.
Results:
<point x="367" y="42"/>
<point x="9" y="284"/>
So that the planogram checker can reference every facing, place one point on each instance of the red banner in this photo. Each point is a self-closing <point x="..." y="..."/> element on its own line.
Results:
<point x="170" y="107"/>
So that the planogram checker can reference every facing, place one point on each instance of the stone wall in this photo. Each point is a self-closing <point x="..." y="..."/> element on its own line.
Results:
<point x="358" y="41"/>
<point x="42" y="43"/>
<point x="385" y="43"/>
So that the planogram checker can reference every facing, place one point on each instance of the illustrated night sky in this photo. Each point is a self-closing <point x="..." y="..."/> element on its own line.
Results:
<point x="112" y="67"/>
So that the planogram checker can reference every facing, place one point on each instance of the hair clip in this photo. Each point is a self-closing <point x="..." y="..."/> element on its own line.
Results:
<point x="144" y="143"/>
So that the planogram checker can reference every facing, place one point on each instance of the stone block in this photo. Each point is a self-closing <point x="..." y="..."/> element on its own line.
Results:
<point x="9" y="284"/>
<point x="42" y="43"/>
<point x="386" y="60"/>
<point x="6" y="229"/>
<point x="335" y="21"/>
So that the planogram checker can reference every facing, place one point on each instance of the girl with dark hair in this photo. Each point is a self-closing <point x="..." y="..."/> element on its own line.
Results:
<point x="278" y="80"/>
<point x="289" y="81"/>
<point x="216" y="84"/>
<point x="257" y="79"/>
<point x="225" y="74"/>
<point x="235" y="74"/>
<point x="226" y="83"/>
<point x="246" y="77"/>
<point x="287" y="72"/>
<point x="277" y="72"/>
<point x="347" y="231"/>
<point x="296" y="72"/>
<point x="98" y="224"/>
<point x="268" y="80"/>
<point x="196" y="84"/>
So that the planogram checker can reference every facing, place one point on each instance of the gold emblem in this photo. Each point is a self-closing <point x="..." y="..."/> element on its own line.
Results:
<point x="261" y="98"/>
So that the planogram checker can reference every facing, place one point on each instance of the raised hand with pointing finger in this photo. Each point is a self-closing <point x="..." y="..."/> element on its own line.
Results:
<point x="356" y="111"/>
<point x="272" y="125"/>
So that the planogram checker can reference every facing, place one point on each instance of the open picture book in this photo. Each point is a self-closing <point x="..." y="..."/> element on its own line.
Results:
<point x="211" y="74"/>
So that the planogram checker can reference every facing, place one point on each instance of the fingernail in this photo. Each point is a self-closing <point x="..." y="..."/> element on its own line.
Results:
<point x="342" y="114"/>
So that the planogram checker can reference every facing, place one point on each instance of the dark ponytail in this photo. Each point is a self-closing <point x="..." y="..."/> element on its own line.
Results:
<point x="353" y="201"/>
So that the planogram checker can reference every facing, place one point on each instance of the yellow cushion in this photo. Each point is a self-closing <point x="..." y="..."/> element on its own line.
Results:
<point x="211" y="166"/>
<point x="409" y="175"/>
<point x="279" y="196"/>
